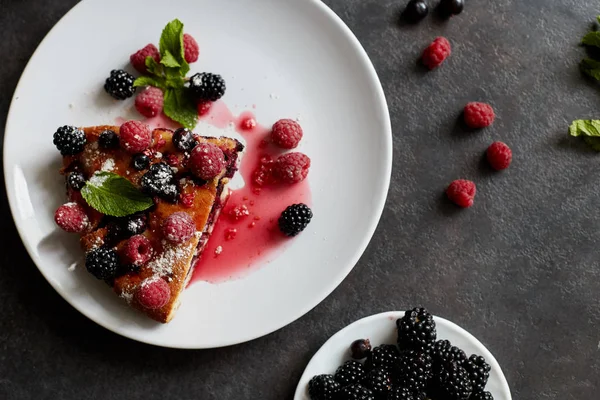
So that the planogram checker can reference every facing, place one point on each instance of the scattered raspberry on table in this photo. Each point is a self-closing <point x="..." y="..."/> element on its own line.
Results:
<point x="499" y="155"/>
<point x="462" y="192"/>
<point x="435" y="54"/>
<point x="138" y="59"/>
<point x="479" y="115"/>
<point x="150" y="102"/>
<point x="286" y="133"/>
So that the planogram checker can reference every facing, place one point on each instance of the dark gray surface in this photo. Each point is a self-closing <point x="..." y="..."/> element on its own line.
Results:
<point x="519" y="270"/>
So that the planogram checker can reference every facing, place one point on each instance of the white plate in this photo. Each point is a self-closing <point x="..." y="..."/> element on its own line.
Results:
<point x="289" y="59"/>
<point x="381" y="329"/>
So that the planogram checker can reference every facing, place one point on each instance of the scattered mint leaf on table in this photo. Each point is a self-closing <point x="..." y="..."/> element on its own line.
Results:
<point x="114" y="195"/>
<point x="591" y="39"/>
<point x="585" y="127"/>
<point x="591" y="67"/>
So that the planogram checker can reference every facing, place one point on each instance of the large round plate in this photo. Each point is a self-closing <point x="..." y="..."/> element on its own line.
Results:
<point x="288" y="59"/>
<point x="381" y="329"/>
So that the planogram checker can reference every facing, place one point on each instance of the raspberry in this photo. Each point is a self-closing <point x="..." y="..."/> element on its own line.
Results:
<point x="178" y="227"/>
<point x="238" y="212"/>
<point x="138" y="59"/>
<point x="263" y="175"/>
<point x="149" y="103"/>
<point x="191" y="50"/>
<point x="479" y="115"/>
<point x="286" y="133"/>
<point x="248" y="124"/>
<point x="153" y="293"/>
<point x="135" y="136"/>
<point x="435" y="54"/>
<point x="71" y="218"/>
<point x="291" y="167"/>
<point x="206" y="161"/>
<point x="462" y="192"/>
<point x="138" y="250"/>
<point x="499" y="155"/>
<point x="187" y="200"/>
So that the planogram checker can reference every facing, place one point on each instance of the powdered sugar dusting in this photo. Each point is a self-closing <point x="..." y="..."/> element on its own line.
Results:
<point x="108" y="165"/>
<point x="163" y="265"/>
<point x="98" y="180"/>
<point x="127" y="296"/>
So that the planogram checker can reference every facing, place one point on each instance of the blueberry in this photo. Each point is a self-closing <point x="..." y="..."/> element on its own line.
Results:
<point x="416" y="10"/>
<point x="360" y="349"/>
<point x="140" y="162"/>
<point x="108" y="139"/>
<point x="75" y="180"/>
<point x="184" y="140"/>
<point x="452" y="7"/>
<point x="123" y="228"/>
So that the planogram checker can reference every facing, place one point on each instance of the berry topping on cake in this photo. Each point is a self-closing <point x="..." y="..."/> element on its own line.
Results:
<point x="138" y="59"/>
<point x="286" y="133"/>
<point x="206" y="86"/>
<point x="178" y="227"/>
<point x="294" y="219"/>
<point x="140" y="161"/>
<point x="462" y="192"/>
<point x="149" y="103"/>
<point x="479" y="115"/>
<point x="153" y="293"/>
<point x="120" y="84"/>
<point x="135" y="136"/>
<point x="159" y="181"/>
<point x="75" y="180"/>
<point x="69" y="140"/>
<point x="102" y="263"/>
<point x="183" y="140"/>
<point x="323" y="387"/>
<point x="191" y="50"/>
<point x="137" y="250"/>
<point x="108" y="139"/>
<point x="206" y="161"/>
<point x="499" y="155"/>
<point x="72" y="218"/>
<point x="435" y="54"/>
<point x="291" y="167"/>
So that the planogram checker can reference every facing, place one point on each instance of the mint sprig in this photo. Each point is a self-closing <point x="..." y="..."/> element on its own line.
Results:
<point x="169" y="76"/>
<point x="114" y="195"/>
<point x="591" y="66"/>
<point x="589" y="129"/>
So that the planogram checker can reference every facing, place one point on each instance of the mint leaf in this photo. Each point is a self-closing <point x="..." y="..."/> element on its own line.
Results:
<point x="150" y="81"/>
<point x="114" y="195"/>
<point x="169" y="61"/>
<point x="585" y="127"/>
<point x="153" y="67"/>
<point x="591" y="39"/>
<point x="180" y="108"/>
<point x="590" y="67"/>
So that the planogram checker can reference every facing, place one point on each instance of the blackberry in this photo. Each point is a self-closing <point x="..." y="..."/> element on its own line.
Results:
<point x="379" y="381"/>
<point x="184" y="140"/>
<point x="108" y="139"/>
<point x="158" y="181"/>
<point x="119" y="84"/>
<point x="444" y="351"/>
<point x="355" y="392"/>
<point x="206" y="86"/>
<point x="416" y="10"/>
<point x="140" y="161"/>
<point x="400" y="393"/>
<point x="125" y="269"/>
<point x="349" y="373"/>
<point x="414" y="370"/>
<point x="451" y="7"/>
<point x="384" y="356"/>
<point x="452" y="382"/>
<point x="479" y="372"/>
<point x="481" y="396"/>
<point x="126" y="227"/>
<point x="102" y="263"/>
<point x="416" y="330"/>
<point x="360" y="349"/>
<point x="294" y="219"/>
<point x="323" y="387"/>
<point x="69" y="140"/>
<point x="76" y="180"/>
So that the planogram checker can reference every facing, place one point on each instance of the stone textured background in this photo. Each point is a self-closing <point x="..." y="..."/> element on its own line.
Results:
<point x="519" y="270"/>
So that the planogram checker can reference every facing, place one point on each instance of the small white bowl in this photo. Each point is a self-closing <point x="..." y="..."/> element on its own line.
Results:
<point x="381" y="329"/>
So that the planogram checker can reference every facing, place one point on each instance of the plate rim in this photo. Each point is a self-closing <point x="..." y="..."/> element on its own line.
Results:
<point x="378" y="208"/>
<point x="490" y="359"/>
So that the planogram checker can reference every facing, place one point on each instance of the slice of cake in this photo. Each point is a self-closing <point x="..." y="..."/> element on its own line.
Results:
<point x="144" y="203"/>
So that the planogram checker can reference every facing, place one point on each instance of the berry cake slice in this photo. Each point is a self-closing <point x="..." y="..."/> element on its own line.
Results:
<point x="148" y="256"/>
